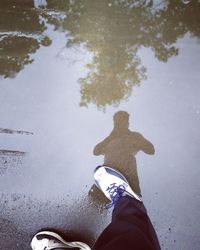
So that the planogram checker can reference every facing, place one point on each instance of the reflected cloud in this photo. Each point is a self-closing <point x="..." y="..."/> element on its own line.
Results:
<point x="121" y="147"/>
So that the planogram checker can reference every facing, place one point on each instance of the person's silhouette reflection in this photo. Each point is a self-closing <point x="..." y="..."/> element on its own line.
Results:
<point x="120" y="148"/>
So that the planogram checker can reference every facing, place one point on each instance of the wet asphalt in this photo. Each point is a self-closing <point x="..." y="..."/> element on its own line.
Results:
<point x="66" y="71"/>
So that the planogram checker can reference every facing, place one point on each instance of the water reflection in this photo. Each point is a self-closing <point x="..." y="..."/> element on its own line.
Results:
<point x="113" y="32"/>
<point x="11" y="131"/>
<point x="120" y="149"/>
<point x="21" y="34"/>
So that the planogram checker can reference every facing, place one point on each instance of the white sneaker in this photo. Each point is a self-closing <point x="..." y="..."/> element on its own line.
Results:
<point x="113" y="184"/>
<point x="48" y="240"/>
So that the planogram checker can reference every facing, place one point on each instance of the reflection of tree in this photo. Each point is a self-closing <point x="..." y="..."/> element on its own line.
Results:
<point x="20" y="35"/>
<point x="106" y="32"/>
<point x="15" y="54"/>
<point x="114" y="31"/>
<point x="111" y="81"/>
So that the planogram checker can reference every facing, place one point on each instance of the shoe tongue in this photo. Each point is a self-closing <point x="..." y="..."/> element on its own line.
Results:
<point x="101" y="171"/>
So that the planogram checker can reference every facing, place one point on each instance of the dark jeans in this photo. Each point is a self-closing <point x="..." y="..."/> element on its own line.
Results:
<point x="130" y="229"/>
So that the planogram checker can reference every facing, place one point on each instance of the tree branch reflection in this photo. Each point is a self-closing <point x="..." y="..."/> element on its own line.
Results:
<point x="113" y="32"/>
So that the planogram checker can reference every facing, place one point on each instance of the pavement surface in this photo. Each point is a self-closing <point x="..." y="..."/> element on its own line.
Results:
<point x="67" y="68"/>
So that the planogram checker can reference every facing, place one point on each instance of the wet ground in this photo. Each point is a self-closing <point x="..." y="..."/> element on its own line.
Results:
<point x="67" y="68"/>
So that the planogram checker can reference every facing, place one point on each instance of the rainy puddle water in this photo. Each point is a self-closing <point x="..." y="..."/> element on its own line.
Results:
<point x="67" y="68"/>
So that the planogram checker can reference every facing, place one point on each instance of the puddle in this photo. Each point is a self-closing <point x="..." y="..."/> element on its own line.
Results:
<point x="67" y="68"/>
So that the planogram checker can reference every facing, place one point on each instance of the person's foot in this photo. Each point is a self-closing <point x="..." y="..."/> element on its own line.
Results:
<point x="48" y="240"/>
<point x="113" y="184"/>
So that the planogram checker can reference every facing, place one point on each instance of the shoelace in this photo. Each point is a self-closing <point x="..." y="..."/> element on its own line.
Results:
<point x="116" y="192"/>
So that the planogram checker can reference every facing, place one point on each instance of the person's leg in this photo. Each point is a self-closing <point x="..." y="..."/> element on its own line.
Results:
<point x="131" y="227"/>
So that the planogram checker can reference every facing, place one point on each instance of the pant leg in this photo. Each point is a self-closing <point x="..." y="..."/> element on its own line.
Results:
<point x="130" y="229"/>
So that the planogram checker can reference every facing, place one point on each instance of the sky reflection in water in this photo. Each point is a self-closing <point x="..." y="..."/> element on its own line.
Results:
<point x="113" y="32"/>
<point x="57" y="59"/>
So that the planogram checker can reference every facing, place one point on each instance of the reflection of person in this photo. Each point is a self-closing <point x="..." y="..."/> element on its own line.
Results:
<point x="120" y="148"/>
<point x="130" y="228"/>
